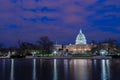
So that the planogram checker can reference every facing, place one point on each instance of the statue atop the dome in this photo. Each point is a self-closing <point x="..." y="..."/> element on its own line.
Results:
<point x="80" y="39"/>
<point x="80" y="31"/>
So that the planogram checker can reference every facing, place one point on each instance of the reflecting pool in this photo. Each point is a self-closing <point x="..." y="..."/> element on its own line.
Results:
<point x="59" y="69"/>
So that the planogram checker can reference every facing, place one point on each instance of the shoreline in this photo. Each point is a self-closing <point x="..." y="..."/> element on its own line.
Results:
<point x="56" y="57"/>
<point x="70" y="57"/>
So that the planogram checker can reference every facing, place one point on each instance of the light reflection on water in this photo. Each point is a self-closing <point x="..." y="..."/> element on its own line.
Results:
<point x="81" y="69"/>
<point x="66" y="67"/>
<point x="3" y="68"/>
<point x="12" y="70"/>
<point x="34" y="69"/>
<point x="56" y="69"/>
<point x="105" y="73"/>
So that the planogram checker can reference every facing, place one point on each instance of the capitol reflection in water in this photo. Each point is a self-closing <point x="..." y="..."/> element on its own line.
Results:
<point x="57" y="69"/>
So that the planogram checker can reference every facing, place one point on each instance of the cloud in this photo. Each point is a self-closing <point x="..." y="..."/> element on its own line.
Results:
<point x="106" y="17"/>
<point x="59" y="19"/>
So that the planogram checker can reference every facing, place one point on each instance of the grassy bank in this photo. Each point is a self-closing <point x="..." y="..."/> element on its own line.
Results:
<point x="82" y="55"/>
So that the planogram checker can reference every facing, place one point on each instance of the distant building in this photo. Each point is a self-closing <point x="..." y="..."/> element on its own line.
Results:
<point x="58" y="47"/>
<point x="80" y="45"/>
<point x="78" y="48"/>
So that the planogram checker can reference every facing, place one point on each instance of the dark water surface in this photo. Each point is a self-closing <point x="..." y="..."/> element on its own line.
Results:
<point x="59" y="69"/>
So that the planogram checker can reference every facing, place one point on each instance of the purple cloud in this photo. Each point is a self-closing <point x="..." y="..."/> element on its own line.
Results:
<point x="60" y="20"/>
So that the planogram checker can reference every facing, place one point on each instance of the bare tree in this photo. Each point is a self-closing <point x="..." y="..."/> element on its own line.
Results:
<point x="26" y="47"/>
<point x="45" y="44"/>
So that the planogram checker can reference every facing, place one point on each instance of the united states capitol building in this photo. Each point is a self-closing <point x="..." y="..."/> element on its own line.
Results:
<point x="80" y="46"/>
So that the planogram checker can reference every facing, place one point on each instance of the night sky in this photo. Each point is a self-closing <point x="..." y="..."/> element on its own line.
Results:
<point x="60" y="20"/>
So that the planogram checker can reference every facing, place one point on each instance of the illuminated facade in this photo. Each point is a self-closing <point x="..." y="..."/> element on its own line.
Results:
<point x="79" y="47"/>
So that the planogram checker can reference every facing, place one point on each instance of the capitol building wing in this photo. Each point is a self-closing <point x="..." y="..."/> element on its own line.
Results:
<point x="78" y="48"/>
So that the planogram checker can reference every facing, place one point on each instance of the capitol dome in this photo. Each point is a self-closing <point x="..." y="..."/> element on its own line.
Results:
<point x="80" y="39"/>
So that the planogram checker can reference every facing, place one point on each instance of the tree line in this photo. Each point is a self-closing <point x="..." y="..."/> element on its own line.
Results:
<point x="43" y="45"/>
<point x="110" y="45"/>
